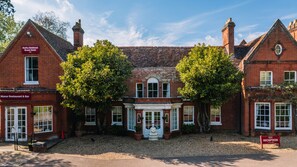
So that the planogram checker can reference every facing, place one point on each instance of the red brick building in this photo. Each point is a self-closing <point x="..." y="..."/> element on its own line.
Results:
<point x="271" y="61"/>
<point x="30" y="104"/>
<point x="29" y="72"/>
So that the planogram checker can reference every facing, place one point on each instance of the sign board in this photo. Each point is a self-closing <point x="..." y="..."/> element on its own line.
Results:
<point x="269" y="140"/>
<point x="30" y="49"/>
<point x="15" y="96"/>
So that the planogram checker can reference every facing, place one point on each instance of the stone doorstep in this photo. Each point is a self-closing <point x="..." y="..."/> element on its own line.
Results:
<point x="39" y="147"/>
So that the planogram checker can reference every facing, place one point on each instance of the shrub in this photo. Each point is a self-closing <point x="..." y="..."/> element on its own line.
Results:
<point x="117" y="130"/>
<point x="188" y="128"/>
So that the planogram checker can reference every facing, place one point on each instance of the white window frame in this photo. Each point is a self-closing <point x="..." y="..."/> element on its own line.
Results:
<point x="92" y="113"/>
<point x="36" y="116"/>
<point x="112" y="113"/>
<point x="141" y="90"/>
<point x="131" y="121"/>
<point x="193" y="112"/>
<point x="168" y="89"/>
<point x="271" y="80"/>
<point x="255" y="116"/>
<point x="290" y="117"/>
<point x="151" y="81"/>
<point x="289" y="81"/>
<point x="171" y="119"/>
<point x="25" y="69"/>
<point x="220" y="114"/>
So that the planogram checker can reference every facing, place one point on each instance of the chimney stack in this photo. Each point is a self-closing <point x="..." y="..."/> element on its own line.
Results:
<point x="78" y="35"/>
<point x="228" y="36"/>
<point x="293" y="29"/>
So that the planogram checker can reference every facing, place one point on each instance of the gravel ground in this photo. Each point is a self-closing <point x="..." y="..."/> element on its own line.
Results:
<point x="113" y="147"/>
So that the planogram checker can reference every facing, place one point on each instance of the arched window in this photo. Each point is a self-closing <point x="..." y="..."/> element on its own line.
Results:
<point x="152" y="87"/>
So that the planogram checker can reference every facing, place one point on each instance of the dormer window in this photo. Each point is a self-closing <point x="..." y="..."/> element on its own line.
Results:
<point x="152" y="87"/>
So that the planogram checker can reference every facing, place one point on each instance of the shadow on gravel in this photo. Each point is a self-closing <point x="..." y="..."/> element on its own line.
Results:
<point x="221" y="160"/>
<point x="191" y="149"/>
<point x="10" y="158"/>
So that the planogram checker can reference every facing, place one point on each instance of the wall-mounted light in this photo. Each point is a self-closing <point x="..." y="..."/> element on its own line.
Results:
<point x="29" y="34"/>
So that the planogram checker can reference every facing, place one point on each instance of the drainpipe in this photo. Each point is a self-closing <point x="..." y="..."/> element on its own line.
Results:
<point x="240" y="113"/>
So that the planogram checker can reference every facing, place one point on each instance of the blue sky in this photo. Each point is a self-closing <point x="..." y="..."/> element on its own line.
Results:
<point x="163" y="22"/>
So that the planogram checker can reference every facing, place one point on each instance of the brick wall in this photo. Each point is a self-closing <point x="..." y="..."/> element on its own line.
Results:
<point x="12" y="73"/>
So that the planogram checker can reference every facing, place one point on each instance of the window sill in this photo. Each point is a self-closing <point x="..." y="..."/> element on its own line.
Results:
<point x="117" y="123"/>
<point x="31" y="83"/>
<point x="188" y="123"/>
<point x="43" y="132"/>
<point x="90" y="123"/>
<point x="216" y="123"/>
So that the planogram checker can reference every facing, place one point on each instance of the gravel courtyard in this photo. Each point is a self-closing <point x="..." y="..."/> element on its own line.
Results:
<point x="114" y="147"/>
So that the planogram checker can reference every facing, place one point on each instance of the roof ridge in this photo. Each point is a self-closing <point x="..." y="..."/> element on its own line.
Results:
<point x="39" y="26"/>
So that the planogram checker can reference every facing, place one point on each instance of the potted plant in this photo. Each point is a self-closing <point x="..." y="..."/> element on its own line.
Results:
<point x="138" y="132"/>
<point x="166" y="133"/>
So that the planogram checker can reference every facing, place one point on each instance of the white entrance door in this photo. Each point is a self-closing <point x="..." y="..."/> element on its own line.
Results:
<point x="153" y="118"/>
<point x="16" y="122"/>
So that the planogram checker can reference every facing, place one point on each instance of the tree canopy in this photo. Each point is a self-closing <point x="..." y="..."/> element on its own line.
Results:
<point x="208" y="75"/>
<point x="51" y="22"/>
<point x="209" y="78"/>
<point x="94" y="76"/>
<point x="8" y="26"/>
<point x="6" y="7"/>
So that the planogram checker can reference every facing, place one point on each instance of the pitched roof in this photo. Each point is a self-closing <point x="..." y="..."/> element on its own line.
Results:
<point x="260" y="40"/>
<point x="60" y="45"/>
<point x="147" y="56"/>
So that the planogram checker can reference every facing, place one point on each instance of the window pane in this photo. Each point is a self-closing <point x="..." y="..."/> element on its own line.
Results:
<point x="31" y="68"/>
<point x="43" y="118"/>
<point x="262" y="115"/>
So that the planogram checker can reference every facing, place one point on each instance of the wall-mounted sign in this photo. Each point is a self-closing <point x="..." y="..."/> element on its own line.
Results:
<point x="30" y="50"/>
<point x="15" y="96"/>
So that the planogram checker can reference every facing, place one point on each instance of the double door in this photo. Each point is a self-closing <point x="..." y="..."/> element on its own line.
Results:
<point x="16" y="123"/>
<point x="153" y="118"/>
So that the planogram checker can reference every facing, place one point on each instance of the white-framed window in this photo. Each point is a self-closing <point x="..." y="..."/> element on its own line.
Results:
<point x="43" y="119"/>
<point x="262" y="115"/>
<point x="166" y="89"/>
<point x="266" y="78"/>
<point x="131" y="119"/>
<point x="152" y="87"/>
<point x="90" y="116"/>
<point x="117" y="116"/>
<point x="283" y="116"/>
<point x="174" y="119"/>
<point x="215" y="116"/>
<point x="290" y="77"/>
<point x="139" y="90"/>
<point x="31" y="70"/>
<point x="188" y="116"/>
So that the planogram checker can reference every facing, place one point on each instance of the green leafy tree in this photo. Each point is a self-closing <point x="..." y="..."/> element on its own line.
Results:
<point x="209" y="78"/>
<point x="6" y="7"/>
<point x="94" y="77"/>
<point x="51" y="22"/>
<point x="8" y="30"/>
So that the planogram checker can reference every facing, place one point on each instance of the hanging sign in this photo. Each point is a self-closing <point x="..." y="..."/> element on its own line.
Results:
<point x="15" y="96"/>
<point x="30" y="50"/>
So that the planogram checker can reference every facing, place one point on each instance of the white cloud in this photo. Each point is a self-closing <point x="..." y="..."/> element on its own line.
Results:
<point x="247" y="28"/>
<point x="289" y="17"/>
<point x="252" y="36"/>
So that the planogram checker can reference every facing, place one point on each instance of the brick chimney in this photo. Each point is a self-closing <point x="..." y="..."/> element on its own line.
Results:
<point x="78" y="35"/>
<point x="228" y="36"/>
<point x="293" y="28"/>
